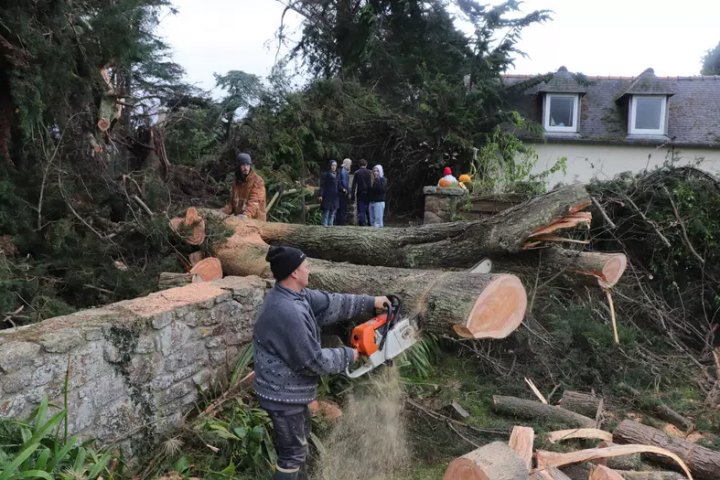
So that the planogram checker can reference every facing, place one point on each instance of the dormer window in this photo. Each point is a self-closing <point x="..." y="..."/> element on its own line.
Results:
<point x="560" y="113"/>
<point x="647" y="115"/>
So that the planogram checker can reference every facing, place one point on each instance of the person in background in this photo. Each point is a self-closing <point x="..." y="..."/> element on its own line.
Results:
<point x="344" y="188"/>
<point x="247" y="195"/>
<point x="448" y="177"/>
<point x="288" y="358"/>
<point x="378" y="188"/>
<point x="360" y="191"/>
<point x="329" y="194"/>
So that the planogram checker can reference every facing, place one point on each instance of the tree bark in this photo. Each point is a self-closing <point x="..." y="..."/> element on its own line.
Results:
<point x="519" y="407"/>
<point x="494" y="461"/>
<point x="445" y="245"/>
<point x="703" y="462"/>
<point x="582" y="403"/>
<point x="631" y="475"/>
<point x="596" y="269"/>
<point x="173" y="279"/>
<point x="474" y="305"/>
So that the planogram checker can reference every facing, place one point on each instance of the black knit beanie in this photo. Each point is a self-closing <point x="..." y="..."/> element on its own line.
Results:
<point x="284" y="261"/>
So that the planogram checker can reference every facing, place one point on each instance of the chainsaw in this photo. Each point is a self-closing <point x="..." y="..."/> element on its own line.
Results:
<point x="382" y="338"/>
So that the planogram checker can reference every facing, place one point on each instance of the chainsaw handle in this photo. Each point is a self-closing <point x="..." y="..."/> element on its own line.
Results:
<point x="360" y="371"/>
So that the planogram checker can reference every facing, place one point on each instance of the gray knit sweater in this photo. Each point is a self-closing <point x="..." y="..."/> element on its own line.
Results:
<point x="286" y="341"/>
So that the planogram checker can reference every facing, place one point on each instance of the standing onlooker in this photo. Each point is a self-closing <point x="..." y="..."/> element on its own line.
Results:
<point x="361" y="190"/>
<point x="329" y="194"/>
<point x="377" y="196"/>
<point x="344" y="188"/>
<point x="247" y="195"/>
<point x="448" y="178"/>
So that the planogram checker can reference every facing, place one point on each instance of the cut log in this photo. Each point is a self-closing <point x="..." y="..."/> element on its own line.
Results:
<point x="632" y="475"/>
<point x="207" y="270"/>
<point x="582" y="403"/>
<point x="601" y="472"/>
<point x="522" y="408"/>
<point x="557" y="459"/>
<point x="521" y="441"/>
<point x="569" y="267"/>
<point x="173" y="279"/>
<point x="444" y="245"/>
<point x="191" y="227"/>
<point x="494" y="461"/>
<point x="661" y="410"/>
<point x="474" y="305"/>
<point x="703" y="462"/>
<point x="586" y="433"/>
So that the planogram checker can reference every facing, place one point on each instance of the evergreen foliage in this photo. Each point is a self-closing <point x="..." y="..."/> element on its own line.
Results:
<point x="711" y="62"/>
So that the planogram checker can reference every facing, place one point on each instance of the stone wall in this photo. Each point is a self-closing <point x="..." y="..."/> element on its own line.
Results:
<point x="451" y="204"/>
<point x="133" y="368"/>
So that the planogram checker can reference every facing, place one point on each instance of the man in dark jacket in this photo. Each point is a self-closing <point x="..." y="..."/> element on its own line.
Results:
<point x="344" y="189"/>
<point x="360" y="191"/>
<point x="287" y="353"/>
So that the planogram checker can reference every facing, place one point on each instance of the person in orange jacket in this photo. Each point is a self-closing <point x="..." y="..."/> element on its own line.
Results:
<point x="247" y="196"/>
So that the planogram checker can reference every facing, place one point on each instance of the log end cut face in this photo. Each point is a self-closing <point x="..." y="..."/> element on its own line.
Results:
<point x="464" y="469"/>
<point x="498" y="311"/>
<point x="613" y="270"/>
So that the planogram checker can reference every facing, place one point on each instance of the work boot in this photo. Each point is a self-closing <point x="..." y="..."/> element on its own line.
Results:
<point x="281" y="475"/>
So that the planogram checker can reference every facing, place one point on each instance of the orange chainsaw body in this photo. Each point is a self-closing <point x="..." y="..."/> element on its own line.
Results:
<point x="363" y="336"/>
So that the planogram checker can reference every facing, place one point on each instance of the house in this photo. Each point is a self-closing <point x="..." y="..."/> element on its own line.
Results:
<point x="607" y="125"/>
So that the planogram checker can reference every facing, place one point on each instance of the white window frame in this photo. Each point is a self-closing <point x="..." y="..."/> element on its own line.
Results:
<point x="546" y="113"/>
<point x="647" y="131"/>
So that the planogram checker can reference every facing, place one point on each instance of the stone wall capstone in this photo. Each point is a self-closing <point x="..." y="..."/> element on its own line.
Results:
<point x="133" y="368"/>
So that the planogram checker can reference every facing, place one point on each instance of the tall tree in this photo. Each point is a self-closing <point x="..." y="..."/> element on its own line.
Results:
<point x="397" y="81"/>
<point x="711" y="62"/>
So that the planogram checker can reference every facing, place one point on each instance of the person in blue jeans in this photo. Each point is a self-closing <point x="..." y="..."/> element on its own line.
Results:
<point x="378" y="188"/>
<point x="287" y="353"/>
<point x="329" y="194"/>
<point x="361" y="190"/>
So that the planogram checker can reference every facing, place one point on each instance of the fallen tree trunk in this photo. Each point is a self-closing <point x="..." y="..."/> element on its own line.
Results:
<point x="703" y="462"/>
<point x="494" y="461"/>
<point x="582" y="403"/>
<point x="519" y="407"/>
<point x="443" y="245"/>
<point x="596" y="269"/>
<point x="475" y="305"/>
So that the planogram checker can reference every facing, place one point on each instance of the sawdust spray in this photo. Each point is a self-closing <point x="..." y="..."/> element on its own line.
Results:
<point x="368" y="441"/>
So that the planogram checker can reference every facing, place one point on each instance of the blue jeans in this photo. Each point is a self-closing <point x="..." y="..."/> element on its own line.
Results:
<point x="328" y="217"/>
<point x="377" y="210"/>
<point x="292" y="433"/>
<point x="362" y="208"/>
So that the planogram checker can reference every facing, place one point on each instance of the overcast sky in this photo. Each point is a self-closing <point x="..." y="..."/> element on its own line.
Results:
<point x="594" y="37"/>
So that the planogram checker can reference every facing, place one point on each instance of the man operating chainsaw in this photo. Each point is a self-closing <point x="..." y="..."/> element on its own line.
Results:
<point x="288" y="357"/>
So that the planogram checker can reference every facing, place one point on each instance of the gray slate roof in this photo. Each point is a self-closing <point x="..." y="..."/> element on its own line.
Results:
<point x="693" y="106"/>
